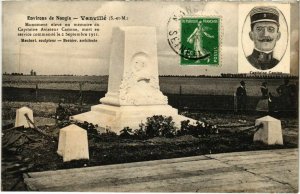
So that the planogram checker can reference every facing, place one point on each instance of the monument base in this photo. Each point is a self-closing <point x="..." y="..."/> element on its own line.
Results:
<point x="115" y="118"/>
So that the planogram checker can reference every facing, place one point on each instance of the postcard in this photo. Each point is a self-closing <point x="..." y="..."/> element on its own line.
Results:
<point x="141" y="96"/>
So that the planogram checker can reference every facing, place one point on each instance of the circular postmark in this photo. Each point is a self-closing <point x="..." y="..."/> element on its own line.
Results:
<point x="174" y="36"/>
<point x="194" y="38"/>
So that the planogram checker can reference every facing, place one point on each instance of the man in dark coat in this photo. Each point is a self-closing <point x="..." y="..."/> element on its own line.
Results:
<point x="264" y="33"/>
<point x="241" y="95"/>
<point x="284" y="92"/>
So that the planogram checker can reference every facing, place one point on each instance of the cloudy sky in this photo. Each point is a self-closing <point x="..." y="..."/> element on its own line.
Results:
<point x="93" y="58"/>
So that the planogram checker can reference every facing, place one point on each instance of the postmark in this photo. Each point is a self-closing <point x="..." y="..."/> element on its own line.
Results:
<point x="195" y="38"/>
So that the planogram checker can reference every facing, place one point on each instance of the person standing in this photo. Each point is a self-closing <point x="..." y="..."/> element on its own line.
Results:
<point x="241" y="95"/>
<point x="284" y="92"/>
<point x="264" y="90"/>
<point x="263" y="103"/>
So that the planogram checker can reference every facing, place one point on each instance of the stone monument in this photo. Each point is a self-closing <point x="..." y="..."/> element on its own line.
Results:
<point x="133" y="86"/>
<point x="270" y="133"/>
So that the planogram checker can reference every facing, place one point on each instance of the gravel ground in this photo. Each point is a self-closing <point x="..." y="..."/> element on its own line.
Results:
<point x="34" y="152"/>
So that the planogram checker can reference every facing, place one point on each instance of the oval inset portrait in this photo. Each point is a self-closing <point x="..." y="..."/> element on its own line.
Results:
<point x="264" y="37"/>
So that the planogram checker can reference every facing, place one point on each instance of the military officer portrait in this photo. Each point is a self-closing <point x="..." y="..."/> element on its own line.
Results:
<point x="265" y="32"/>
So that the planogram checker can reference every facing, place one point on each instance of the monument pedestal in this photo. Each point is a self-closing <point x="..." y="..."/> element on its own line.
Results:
<point x="116" y="118"/>
<point x="133" y="86"/>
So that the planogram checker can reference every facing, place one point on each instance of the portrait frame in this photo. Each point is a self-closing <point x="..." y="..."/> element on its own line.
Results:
<point x="281" y="51"/>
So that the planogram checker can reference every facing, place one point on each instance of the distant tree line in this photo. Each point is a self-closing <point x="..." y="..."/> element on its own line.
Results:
<point x="223" y="75"/>
<point x="12" y="73"/>
<point x="258" y="75"/>
<point x="32" y="73"/>
<point x="239" y="75"/>
<point x="209" y="76"/>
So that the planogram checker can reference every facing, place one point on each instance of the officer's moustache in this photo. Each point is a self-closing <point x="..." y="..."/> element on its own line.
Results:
<point x="266" y="39"/>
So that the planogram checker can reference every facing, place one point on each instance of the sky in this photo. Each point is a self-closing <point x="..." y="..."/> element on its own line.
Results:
<point x="93" y="58"/>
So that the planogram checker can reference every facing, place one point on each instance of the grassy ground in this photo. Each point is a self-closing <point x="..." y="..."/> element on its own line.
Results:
<point x="38" y="153"/>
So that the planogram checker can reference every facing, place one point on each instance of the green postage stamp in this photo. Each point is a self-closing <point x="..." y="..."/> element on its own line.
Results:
<point x="200" y="41"/>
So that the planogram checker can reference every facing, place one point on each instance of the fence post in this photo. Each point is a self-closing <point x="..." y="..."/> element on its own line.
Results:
<point x="180" y="90"/>
<point x="234" y="102"/>
<point x="179" y="104"/>
<point x="80" y="93"/>
<point x="36" y="92"/>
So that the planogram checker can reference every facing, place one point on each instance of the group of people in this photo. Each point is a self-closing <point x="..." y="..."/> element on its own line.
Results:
<point x="285" y="101"/>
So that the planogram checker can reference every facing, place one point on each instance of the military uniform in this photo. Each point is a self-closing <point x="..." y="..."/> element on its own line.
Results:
<point x="261" y="60"/>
